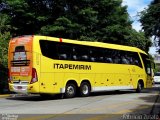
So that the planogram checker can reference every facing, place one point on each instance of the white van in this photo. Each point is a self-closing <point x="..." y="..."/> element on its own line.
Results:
<point x="157" y="77"/>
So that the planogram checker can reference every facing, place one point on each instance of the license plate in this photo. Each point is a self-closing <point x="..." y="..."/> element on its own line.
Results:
<point x="19" y="87"/>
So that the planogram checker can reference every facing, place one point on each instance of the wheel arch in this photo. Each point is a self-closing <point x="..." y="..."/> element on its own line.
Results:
<point x="72" y="81"/>
<point x="86" y="80"/>
<point x="141" y="81"/>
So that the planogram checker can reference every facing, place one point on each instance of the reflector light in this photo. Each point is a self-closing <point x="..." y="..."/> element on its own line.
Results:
<point x="60" y="39"/>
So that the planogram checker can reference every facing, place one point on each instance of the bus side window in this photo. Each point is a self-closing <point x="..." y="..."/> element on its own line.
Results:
<point x="74" y="54"/>
<point x="92" y="55"/>
<point x="108" y="56"/>
<point x="100" y="55"/>
<point x="64" y="51"/>
<point x="109" y="60"/>
<point x="62" y="56"/>
<point x="82" y="53"/>
<point x="116" y="57"/>
<point x="124" y="57"/>
<point x="134" y="59"/>
<point x="49" y="49"/>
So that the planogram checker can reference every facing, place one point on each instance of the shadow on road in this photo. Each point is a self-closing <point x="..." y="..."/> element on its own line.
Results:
<point x="149" y="111"/>
<point x="60" y="96"/>
<point x="37" y="97"/>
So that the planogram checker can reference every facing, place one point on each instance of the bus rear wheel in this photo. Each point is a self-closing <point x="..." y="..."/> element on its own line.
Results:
<point x="85" y="89"/>
<point x="70" y="91"/>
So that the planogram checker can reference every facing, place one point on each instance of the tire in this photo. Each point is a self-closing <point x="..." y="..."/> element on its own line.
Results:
<point x="139" y="87"/>
<point x="85" y="89"/>
<point x="70" y="91"/>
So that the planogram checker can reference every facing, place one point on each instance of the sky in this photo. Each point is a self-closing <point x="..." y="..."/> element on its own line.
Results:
<point x="134" y="7"/>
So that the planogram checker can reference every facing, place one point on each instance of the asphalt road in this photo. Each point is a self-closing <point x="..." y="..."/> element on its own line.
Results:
<point x="113" y="105"/>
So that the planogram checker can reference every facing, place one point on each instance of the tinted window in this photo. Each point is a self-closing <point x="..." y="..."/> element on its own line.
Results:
<point x="146" y="63"/>
<point x="49" y="49"/>
<point x="134" y="59"/>
<point x="82" y="53"/>
<point x="75" y="52"/>
<point x="64" y="51"/>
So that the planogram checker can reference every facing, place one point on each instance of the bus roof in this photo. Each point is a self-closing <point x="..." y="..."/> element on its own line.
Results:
<point x="88" y="43"/>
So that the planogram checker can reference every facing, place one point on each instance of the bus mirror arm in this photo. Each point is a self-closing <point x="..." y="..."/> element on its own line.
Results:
<point x="154" y="65"/>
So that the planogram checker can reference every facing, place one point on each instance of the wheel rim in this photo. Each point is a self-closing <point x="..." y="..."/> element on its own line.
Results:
<point x="70" y="90"/>
<point x="140" y="87"/>
<point x="85" y="89"/>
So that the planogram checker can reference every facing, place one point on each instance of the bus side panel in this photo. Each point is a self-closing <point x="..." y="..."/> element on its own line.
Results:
<point x="34" y="87"/>
<point x="59" y="83"/>
<point x="111" y="77"/>
<point x="137" y="74"/>
<point x="47" y="83"/>
<point x="50" y="80"/>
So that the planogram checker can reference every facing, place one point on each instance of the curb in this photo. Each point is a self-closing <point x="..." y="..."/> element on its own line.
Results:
<point x="156" y="108"/>
<point x="4" y="95"/>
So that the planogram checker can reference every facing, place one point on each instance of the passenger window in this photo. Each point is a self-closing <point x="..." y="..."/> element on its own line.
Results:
<point x="97" y="54"/>
<point x="82" y="53"/>
<point x="49" y="49"/>
<point x="92" y="55"/>
<point x="64" y="51"/>
<point x="108" y="56"/>
<point x="74" y="54"/>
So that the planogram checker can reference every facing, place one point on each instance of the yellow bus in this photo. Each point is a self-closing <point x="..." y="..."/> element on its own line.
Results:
<point x="49" y="65"/>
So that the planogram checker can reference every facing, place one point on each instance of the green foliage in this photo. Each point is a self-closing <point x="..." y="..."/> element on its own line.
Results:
<point x="138" y="39"/>
<point x="103" y="20"/>
<point x="4" y="39"/>
<point x="150" y="19"/>
<point x="92" y="20"/>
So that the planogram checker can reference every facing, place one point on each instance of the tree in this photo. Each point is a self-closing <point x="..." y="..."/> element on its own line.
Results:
<point x="4" y="39"/>
<point x="103" y="20"/>
<point x="150" y="19"/>
<point x="93" y="20"/>
<point x="138" y="39"/>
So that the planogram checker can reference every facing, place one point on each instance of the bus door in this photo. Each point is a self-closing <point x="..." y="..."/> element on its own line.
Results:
<point x="148" y="70"/>
<point x="149" y="74"/>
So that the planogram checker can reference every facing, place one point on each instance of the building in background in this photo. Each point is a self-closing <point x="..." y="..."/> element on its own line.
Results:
<point x="157" y="61"/>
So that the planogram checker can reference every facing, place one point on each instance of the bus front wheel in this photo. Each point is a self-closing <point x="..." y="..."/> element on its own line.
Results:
<point x="139" y="87"/>
<point x="70" y="91"/>
<point x="85" y="89"/>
